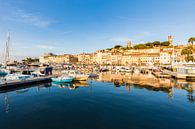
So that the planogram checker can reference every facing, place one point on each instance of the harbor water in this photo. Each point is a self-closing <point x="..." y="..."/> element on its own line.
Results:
<point x="105" y="103"/>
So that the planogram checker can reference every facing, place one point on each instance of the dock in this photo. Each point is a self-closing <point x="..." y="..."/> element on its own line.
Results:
<point x="160" y="75"/>
<point x="22" y="83"/>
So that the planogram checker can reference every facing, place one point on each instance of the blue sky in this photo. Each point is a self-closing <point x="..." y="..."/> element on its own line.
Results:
<point x="75" y="26"/>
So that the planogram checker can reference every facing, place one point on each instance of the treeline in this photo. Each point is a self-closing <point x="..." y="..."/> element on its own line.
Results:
<point x="151" y="45"/>
<point x="30" y="60"/>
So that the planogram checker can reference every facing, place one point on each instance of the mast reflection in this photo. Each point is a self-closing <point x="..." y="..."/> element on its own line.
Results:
<point x="6" y="103"/>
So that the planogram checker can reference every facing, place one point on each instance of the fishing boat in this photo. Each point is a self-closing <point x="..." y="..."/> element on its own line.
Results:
<point x="62" y="79"/>
<point x="76" y="75"/>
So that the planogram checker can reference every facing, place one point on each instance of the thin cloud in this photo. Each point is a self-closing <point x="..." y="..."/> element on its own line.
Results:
<point x="46" y="47"/>
<point x="32" y="19"/>
<point x="132" y="19"/>
<point x="14" y="14"/>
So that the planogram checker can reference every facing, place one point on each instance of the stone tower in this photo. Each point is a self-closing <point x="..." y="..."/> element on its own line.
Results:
<point x="170" y="40"/>
<point x="128" y="44"/>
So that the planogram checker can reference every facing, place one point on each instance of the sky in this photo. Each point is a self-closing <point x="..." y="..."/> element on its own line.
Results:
<point x="77" y="26"/>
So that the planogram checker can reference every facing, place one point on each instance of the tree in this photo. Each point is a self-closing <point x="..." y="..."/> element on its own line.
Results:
<point x="156" y="43"/>
<point x="118" y="46"/>
<point x="191" y="40"/>
<point x="29" y="60"/>
<point x="187" y="52"/>
<point x="165" y="43"/>
<point x="140" y="46"/>
<point x="109" y="49"/>
<point x="149" y="45"/>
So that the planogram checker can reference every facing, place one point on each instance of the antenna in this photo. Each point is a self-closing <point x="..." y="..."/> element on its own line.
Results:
<point x="7" y="49"/>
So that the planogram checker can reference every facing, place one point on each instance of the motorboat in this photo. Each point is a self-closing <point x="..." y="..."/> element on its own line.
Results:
<point x="76" y="75"/>
<point x="62" y="79"/>
<point x="3" y="72"/>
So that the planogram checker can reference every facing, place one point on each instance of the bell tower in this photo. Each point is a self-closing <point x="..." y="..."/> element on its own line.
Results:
<point x="128" y="44"/>
<point x="170" y="40"/>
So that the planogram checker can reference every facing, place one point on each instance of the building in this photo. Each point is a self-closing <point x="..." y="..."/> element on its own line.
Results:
<point x="159" y="55"/>
<point x="170" y="40"/>
<point x="141" y="57"/>
<point x="103" y="57"/>
<point x="128" y="44"/>
<point x="86" y="58"/>
<point x="65" y="59"/>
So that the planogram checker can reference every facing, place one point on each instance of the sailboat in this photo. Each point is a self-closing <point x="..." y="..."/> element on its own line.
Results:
<point x="4" y="71"/>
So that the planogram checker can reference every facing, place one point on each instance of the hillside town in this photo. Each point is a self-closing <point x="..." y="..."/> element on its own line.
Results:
<point x="149" y="54"/>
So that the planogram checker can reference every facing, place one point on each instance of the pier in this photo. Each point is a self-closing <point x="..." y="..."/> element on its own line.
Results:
<point x="22" y="83"/>
<point x="160" y="75"/>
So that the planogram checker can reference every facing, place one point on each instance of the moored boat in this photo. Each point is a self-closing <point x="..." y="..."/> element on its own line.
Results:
<point x="3" y="72"/>
<point x="76" y="75"/>
<point x="11" y="77"/>
<point x="62" y="79"/>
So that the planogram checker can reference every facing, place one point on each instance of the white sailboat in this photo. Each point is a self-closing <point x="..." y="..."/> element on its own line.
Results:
<point x="4" y="71"/>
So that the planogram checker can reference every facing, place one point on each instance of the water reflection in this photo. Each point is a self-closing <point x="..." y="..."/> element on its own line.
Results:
<point x="1" y="78"/>
<point x="6" y="100"/>
<point x="149" y="82"/>
<point x="127" y="80"/>
<point x="20" y="91"/>
<point x="72" y="86"/>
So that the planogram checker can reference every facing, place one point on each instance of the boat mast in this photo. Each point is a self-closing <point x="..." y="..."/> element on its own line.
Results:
<point x="7" y="49"/>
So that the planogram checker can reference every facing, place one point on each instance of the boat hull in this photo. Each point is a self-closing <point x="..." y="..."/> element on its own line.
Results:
<point x="3" y="73"/>
<point x="81" y="78"/>
<point x="56" y="80"/>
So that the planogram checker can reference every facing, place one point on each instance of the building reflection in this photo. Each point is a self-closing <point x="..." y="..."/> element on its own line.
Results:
<point x="149" y="82"/>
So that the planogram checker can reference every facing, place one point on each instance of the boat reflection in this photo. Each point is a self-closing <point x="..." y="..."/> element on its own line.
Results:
<point x="73" y="85"/>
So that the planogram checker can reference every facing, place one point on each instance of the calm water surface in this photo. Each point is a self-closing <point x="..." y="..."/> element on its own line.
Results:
<point x="97" y="105"/>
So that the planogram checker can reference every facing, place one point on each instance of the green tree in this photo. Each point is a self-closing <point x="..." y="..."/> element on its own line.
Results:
<point x="149" y="45"/>
<point x="191" y="40"/>
<point x="187" y="52"/>
<point x="109" y="49"/>
<point x="156" y="43"/>
<point x="165" y="43"/>
<point x="30" y="60"/>
<point x="118" y="46"/>
<point x="140" y="46"/>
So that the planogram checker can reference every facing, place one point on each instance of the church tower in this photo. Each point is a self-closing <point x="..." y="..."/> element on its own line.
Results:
<point x="128" y="44"/>
<point x="170" y="40"/>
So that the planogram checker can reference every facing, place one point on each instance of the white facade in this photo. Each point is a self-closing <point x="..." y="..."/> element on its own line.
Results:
<point x="165" y="58"/>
